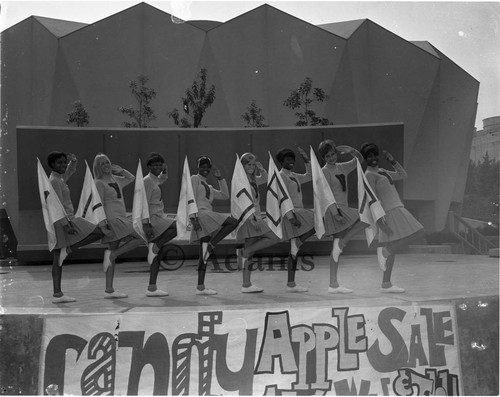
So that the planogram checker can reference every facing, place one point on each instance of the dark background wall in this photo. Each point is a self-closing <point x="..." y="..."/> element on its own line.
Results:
<point x="126" y="146"/>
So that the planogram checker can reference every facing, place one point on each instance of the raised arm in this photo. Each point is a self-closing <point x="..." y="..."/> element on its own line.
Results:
<point x="399" y="172"/>
<point x="223" y="193"/>
<point x="307" y="177"/>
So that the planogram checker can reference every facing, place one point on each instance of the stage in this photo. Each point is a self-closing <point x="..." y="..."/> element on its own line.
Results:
<point x="448" y="318"/>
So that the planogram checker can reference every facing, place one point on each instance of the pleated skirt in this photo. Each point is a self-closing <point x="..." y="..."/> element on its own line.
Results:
<point x="160" y="223"/>
<point x="249" y="230"/>
<point x="120" y="227"/>
<point x="306" y="218"/>
<point x="402" y="224"/>
<point x="210" y="222"/>
<point x="333" y="226"/>
<point x="83" y="229"/>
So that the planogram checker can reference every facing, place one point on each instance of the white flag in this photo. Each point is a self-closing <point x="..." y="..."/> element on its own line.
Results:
<point x="90" y="205"/>
<point x="323" y="196"/>
<point x="52" y="207"/>
<point x="187" y="205"/>
<point x="278" y="201"/>
<point x="370" y="209"/>
<point x="140" y="207"/>
<point x="242" y="206"/>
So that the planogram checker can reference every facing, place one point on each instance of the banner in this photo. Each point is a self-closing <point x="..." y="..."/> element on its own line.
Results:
<point x="370" y="209"/>
<point x="52" y="207"/>
<point x="242" y="206"/>
<point x="187" y="204"/>
<point x="90" y="205"/>
<point x="336" y="350"/>
<point x="278" y="201"/>
<point x="140" y="206"/>
<point x="323" y="196"/>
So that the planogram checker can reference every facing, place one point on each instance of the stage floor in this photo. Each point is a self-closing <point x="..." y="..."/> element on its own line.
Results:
<point x="426" y="277"/>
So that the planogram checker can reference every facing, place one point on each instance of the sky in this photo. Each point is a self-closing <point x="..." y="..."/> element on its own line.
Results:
<point x="467" y="32"/>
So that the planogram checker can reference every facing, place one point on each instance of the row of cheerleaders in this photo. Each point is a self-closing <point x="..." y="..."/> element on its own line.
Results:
<point x="101" y="214"/>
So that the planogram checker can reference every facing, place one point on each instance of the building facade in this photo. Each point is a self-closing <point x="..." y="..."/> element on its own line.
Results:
<point x="371" y="76"/>
<point x="487" y="140"/>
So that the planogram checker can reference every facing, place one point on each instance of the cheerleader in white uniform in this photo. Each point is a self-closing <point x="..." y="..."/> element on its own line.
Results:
<point x="71" y="232"/>
<point x="254" y="233"/>
<point x="398" y="227"/>
<point x="160" y="229"/>
<point x="341" y="221"/>
<point x="210" y="227"/>
<point x="120" y="235"/>
<point x="299" y="225"/>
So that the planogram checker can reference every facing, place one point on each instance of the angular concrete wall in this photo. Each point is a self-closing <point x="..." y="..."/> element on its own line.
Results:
<point x="370" y="74"/>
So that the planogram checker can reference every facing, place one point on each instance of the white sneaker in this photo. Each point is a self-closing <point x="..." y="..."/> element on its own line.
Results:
<point x="63" y="255"/>
<point x="297" y="288"/>
<point x="393" y="290"/>
<point x="294" y="248"/>
<point x="381" y="258"/>
<point x="115" y="295"/>
<point x="151" y="254"/>
<point x="63" y="299"/>
<point x="206" y="291"/>
<point x="251" y="289"/>
<point x="339" y="290"/>
<point x="106" y="262"/>
<point x="336" y="250"/>
<point x="158" y="292"/>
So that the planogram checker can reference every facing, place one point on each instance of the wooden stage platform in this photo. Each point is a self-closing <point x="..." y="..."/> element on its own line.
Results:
<point x="426" y="277"/>
<point x="438" y="338"/>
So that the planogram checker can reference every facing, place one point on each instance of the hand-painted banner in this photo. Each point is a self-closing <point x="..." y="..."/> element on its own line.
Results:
<point x="406" y="350"/>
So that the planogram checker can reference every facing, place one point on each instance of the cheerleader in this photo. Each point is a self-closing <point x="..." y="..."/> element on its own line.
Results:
<point x="160" y="229"/>
<point x="71" y="232"/>
<point x="298" y="226"/>
<point x="398" y="227"/>
<point x="210" y="227"/>
<point x="254" y="233"/>
<point x="341" y="221"/>
<point x="110" y="179"/>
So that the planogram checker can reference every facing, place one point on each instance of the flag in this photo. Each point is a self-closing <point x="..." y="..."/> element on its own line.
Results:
<point x="52" y="207"/>
<point x="278" y="201"/>
<point x="187" y="204"/>
<point x="242" y="206"/>
<point x="90" y="205"/>
<point x="140" y="207"/>
<point x="370" y="208"/>
<point x="323" y="196"/>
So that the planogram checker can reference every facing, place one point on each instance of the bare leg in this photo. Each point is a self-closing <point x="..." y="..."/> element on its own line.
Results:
<point x="166" y="236"/>
<point x="56" y="274"/>
<point x="202" y="267"/>
<point x="116" y="251"/>
<point x="292" y="268"/>
<point x="160" y="242"/>
<point x="334" y="267"/>
<point x="128" y="246"/>
<point x="267" y="240"/>
<point x="227" y="227"/>
<point x="386" y="278"/>
<point x="351" y="232"/>
<point x="305" y="236"/>
<point x="96" y="235"/>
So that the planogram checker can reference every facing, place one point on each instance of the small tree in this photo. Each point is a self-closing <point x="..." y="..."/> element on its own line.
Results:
<point x="253" y="116"/>
<point x="481" y="200"/>
<point x="78" y="115"/>
<point x="196" y="102"/>
<point x="301" y="98"/>
<point x="144" y="114"/>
